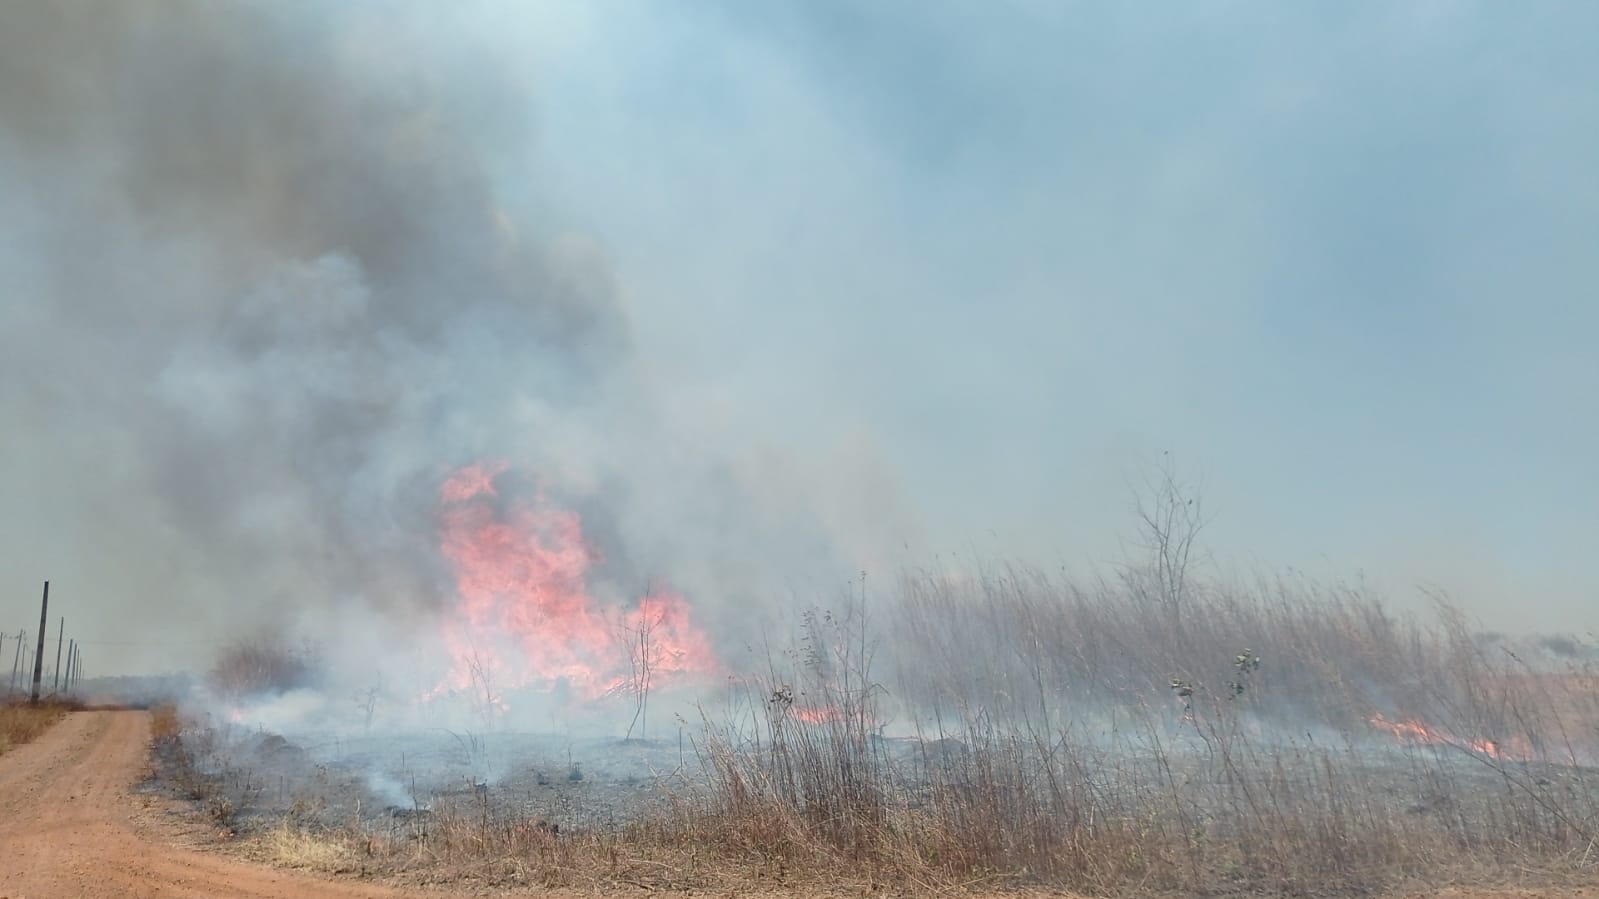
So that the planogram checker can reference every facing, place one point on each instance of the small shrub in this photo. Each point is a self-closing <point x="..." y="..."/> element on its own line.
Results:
<point x="262" y="666"/>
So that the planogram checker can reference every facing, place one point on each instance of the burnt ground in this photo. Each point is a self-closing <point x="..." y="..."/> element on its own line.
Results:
<point x="437" y="806"/>
<point x="251" y="778"/>
<point x="254" y="778"/>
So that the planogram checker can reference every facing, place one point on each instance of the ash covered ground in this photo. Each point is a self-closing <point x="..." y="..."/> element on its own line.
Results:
<point x="252" y="770"/>
<point x="332" y="779"/>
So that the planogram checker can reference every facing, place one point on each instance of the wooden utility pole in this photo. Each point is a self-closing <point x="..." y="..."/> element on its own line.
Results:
<point x="61" y="633"/>
<point x="38" y="654"/>
<point x="72" y="653"/>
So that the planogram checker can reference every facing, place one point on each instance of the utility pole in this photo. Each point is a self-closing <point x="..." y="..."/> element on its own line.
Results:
<point x="61" y="633"/>
<point x="72" y="655"/>
<point x="38" y="654"/>
<point x="16" y="660"/>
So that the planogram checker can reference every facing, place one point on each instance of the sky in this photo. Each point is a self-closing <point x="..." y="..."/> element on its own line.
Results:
<point x="779" y="293"/>
<point x="1338" y="258"/>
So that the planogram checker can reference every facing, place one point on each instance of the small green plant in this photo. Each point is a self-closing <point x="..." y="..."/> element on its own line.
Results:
<point x="1244" y="664"/>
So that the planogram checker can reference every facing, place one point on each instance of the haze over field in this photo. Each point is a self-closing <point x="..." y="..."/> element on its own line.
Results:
<point x="770" y="297"/>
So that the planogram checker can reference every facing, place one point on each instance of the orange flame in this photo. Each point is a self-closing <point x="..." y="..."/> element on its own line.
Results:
<point x="1417" y="733"/>
<point x="824" y="714"/>
<point x="524" y="615"/>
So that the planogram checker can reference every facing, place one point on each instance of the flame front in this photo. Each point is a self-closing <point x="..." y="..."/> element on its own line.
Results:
<point x="822" y="714"/>
<point x="1417" y="733"/>
<point x="525" y="616"/>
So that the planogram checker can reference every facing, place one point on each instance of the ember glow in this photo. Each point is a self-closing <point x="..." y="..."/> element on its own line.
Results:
<point x="525" y="616"/>
<point x="1417" y="733"/>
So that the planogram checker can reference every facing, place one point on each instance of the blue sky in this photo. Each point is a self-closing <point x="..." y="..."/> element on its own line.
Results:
<point x="1339" y="258"/>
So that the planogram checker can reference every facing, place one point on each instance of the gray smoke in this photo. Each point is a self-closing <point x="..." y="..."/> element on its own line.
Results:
<point x="260" y="296"/>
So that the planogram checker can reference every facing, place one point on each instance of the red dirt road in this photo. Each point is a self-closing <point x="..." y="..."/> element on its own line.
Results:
<point x="69" y="826"/>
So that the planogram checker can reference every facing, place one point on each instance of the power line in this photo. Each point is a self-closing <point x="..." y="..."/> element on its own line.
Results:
<point x="147" y="642"/>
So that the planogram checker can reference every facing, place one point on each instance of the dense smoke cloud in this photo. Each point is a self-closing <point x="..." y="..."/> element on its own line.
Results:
<point x="775" y="297"/>
<point x="261" y="297"/>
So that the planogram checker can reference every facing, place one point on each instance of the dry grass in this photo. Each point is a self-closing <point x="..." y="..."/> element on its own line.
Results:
<point x="1089" y="740"/>
<point x="1083" y="739"/>
<point x="165" y="724"/>
<point x="177" y="747"/>
<point x="21" y="722"/>
<point x="291" y="846"/>
<point x="262" y="665"/>
<point x="1082" y="742"/>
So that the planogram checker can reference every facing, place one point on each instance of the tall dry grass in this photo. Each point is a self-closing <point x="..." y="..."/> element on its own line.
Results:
<point x="262" y="665"/>
<point x="1087" y="738"/>
<point x="22" y="722"/>
<point x="1019" y="729"/>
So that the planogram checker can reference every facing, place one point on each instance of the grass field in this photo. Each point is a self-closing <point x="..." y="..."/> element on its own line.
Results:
<point x="1020" y="731"/>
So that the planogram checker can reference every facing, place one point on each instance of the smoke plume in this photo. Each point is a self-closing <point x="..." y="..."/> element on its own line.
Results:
<point x="261" y="297"/>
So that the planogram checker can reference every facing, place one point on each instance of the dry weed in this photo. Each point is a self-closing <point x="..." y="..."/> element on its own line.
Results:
<point x="22" y="722"/>
<point x="294" y="847"/>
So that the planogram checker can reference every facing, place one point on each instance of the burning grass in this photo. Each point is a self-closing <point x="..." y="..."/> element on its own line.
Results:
<point x="1285" y="739"/>
<point x="22" y="722"/>
<point x="1020" y="810"/>
<point x="1022" y="732"/>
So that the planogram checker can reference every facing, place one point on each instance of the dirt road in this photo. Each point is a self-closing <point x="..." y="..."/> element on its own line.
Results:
<point x="70" y="826"/>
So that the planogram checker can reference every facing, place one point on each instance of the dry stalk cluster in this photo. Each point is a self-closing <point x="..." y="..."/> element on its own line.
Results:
<point x="1097" y="740"/>
<point x="22" y="722"/>
<point x="262" y="666"/>
<point x="194" y="761"/>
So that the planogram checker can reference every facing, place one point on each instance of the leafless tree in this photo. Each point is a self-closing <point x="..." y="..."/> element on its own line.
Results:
<point x="643" y="654"/>
<point x="366" y="702"/>
<point x="485" y="698"/>
<point x="1171" y="515"/>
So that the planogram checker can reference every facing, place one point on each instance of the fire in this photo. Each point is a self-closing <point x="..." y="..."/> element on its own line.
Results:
<point x="1417" y="733"/>
<point x="824" y="714"/>
<point x="524" y="614"/>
